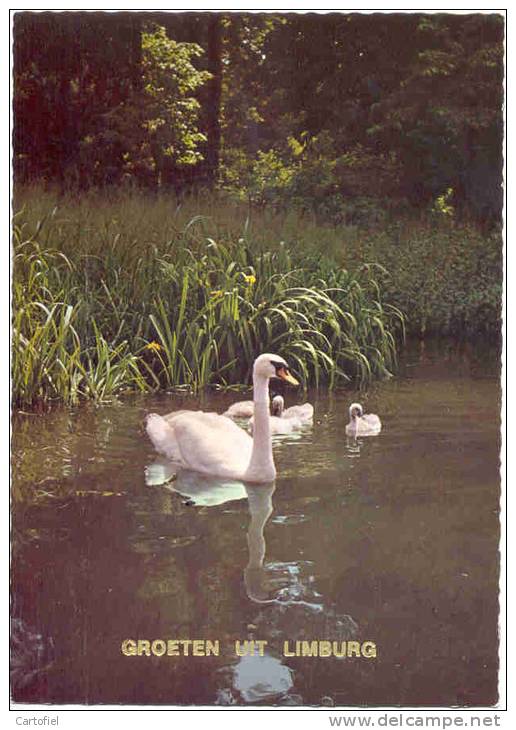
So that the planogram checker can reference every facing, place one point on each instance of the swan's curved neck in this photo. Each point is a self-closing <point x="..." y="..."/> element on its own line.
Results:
<point x="260" y="390"/>
<point x="261" y="465"/>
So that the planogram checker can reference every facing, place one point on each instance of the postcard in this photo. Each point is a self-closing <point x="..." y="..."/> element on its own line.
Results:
<point x="257" y="273"/>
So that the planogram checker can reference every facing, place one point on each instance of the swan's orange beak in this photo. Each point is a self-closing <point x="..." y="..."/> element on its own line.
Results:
<point x="285" y="374"/>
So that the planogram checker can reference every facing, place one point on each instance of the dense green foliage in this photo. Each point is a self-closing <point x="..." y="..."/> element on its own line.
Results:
<point x="343" y="114"/>
<point x="446" y="278"/>
<point x="97" y="279"/>
<point x="138" y="293"/>
<point x="195" y="187"/>
<point x="155" y="129"/>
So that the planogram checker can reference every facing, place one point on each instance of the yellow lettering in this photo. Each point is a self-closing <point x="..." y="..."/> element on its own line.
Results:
<point x="239" y="649"/>
<point x="324" y="648"/>
<point x="158" y="647"/>
<point x="198" y="647"/>
<point x="309" y="648"/>
<point x="339" y="652"/>
<point x="143" y="647"/>
<point x="172" y="647"/>
<point x="369" y="649"/>
<point x="286" y="650"/>
<point x="353" y="648"/>
<point x="212" y="647"/>
<point x="186" y="644"/>
<point x="261" y="647"/>
<point x="129" y="647"/>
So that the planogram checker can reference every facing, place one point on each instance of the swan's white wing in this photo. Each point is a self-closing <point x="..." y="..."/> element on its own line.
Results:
<point x="281" y="425"/>
<point x="212" y="444"/>
<point x="171" y="416"/>
<point x="304" y="412"/>
<point x="368" y="425"/>
<point x="163" y="438"/>
<point x="372" y="421"/>
<point x="242" y="409"/>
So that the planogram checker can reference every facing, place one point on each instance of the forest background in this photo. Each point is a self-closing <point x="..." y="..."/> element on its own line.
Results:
<point x="192" y="188"/>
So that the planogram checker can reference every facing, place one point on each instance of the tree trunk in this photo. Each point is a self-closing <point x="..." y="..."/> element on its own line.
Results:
<point x="136" y="52"/>
<point x="215" y="88"/>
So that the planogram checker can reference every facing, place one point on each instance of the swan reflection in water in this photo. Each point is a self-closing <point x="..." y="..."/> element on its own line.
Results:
<point x="353" y="446"/>
<point x="201" y="489"/>
<point x="254" y="677"/>
<point x="208" y="491"/>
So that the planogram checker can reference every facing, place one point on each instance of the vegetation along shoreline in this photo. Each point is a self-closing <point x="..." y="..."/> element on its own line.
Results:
<point x="188" y="195"/>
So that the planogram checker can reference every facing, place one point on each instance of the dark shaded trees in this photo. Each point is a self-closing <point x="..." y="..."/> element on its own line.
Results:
<point x="403" y="106"/>
<point x="214" y="86"/>
<point x="444" y="119"/>
<point x="101" y="95"/>
<point x="69" y="68"/>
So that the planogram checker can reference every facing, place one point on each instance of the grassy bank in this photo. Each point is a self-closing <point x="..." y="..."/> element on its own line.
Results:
<point x="120" y="291"/>
<point x="446" y="278"/>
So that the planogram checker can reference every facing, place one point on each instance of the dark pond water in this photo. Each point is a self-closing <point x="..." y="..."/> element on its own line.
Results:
<point x="391" y="540"/>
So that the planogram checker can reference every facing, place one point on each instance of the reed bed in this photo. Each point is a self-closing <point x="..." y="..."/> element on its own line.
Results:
<point x="115" y="295"/>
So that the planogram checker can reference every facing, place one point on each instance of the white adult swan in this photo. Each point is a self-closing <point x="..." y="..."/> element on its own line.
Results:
<point x="361" y="424"/>
<point x="213" y="444"/>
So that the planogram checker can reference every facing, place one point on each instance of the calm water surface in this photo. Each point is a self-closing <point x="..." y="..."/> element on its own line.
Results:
<point x="393" y="539"/>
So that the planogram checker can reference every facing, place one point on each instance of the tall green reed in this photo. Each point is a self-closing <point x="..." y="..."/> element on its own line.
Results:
<point x="100" y="307"/>
<point x="53" y="355"/>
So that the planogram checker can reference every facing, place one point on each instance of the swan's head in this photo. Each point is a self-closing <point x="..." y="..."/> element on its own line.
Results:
<point x="278" y="404"/>
<point x="272" y="366"/>
<point x="355" y="411"/>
